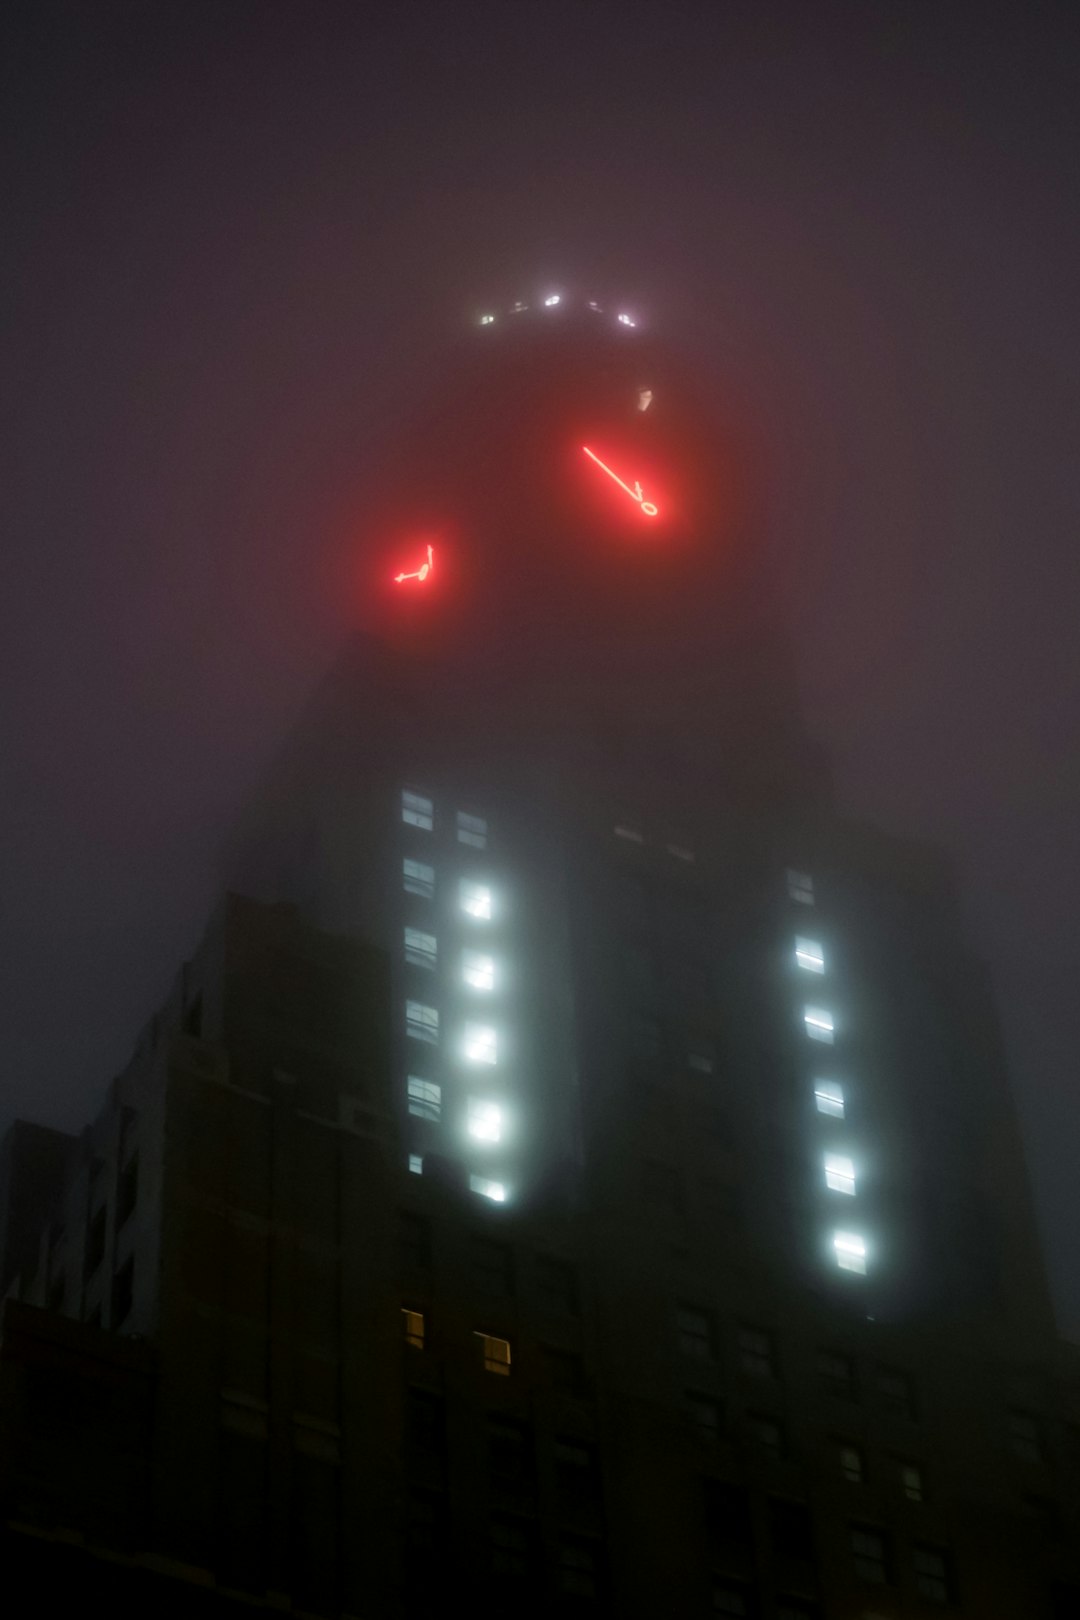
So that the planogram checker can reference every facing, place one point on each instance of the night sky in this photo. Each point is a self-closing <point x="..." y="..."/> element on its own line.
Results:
<point x="237" y="237"/>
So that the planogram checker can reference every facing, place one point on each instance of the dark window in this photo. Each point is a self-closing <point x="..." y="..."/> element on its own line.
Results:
<point x="577" y="1477"/>
<point x="129" y="1120"/>
<point x="57" y="1290"/>
<point x="870" y="1553"/>
<point x="1024" y="1437"/>
<point x="193" y="1018"/>
<point x="837" y="1374"/>
<point x="127" y="1191"/>
<point x="557" y="1285"/>
<point x="796" y="1608"/>
<point x="727" y="1519"/>
<point x="661" y="1186"/>
<point x="566" y="1371"/>
<point x="706" y="1416"/>
<point x="493" y="1265"/>
<point x="511" y="1547"/>
<point x="696" y="1336"/>
<point x="933" y="1574"/>
<point x="94" y="1319"/>
<point x="414" y="1232"/>
<point x="791" y="1530"/>
<point x="510" y="1451"/>
<point x="424" y="1422"/>
<point x="768" y="1431"/>
<point x="123" y="1293"/>
<point x="912" y="1481"/>
<point x="95" y="1243"/>
<point x="579" y="1567"/>
<point x="896" y="1393"/>
<point x="852" y="1464"/>
<point x="639" y="966"/>
<point x="647" y="1037"/>
<point x="426" y="1533"/>
<point x="756" y="1354"/>
<point x="735" y="1599"/>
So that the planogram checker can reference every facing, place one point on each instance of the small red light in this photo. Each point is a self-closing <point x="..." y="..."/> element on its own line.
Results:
<point x="420" y="573"/>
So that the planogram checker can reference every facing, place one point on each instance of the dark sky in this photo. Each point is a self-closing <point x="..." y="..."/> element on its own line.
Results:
<point x="236" y="237"/>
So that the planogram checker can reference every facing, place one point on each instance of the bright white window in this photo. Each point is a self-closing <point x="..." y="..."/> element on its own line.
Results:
<point x="829" y="1098"/>
<point x="480" y="1043"/>
<point x="417" y="811"/>
<point x="809" y="954"/>
<point x="478" y="970"/>
<point x="419" y="878"/>
<point x="800" y="887"/>
<point x="416" y="1164"/>
<point x="486" y="320"/>
<point x="495" y="1190"/>
<point x="839" y="1173"/>
<point x="422" y="1022"/>
<point x="420" y="948"/>
<point x="472" y="830"/>
<point x="819" y="1024"/>
<point x="631" y="834"/>
<point x="475" y="899"/>
<point x="485" y="1120"/>
<point x="850" y="1251"/>
<point x="425" y="1098"/>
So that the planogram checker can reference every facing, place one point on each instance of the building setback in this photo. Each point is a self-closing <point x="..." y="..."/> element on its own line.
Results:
<point x="576" y="1173"/>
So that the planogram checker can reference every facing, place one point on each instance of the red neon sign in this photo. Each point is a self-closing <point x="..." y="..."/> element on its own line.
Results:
<point x="420" y="573"/>
<point x="647" y="508"/>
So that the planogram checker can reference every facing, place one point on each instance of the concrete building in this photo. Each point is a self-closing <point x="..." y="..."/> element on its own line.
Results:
<point x="577" y="1172"/>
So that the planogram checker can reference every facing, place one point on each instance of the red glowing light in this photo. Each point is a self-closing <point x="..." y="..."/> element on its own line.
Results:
<point x="420" y="573"/>
<point x="648" y="508"/>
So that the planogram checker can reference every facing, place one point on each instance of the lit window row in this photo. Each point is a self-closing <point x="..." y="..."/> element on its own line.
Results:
<point x="552" y="301"/>
<point x="480" y="1042"/>
<point x="474" y="898"/>
<point x="477" y="969"/>
<point x="495" y="1351"/>
<point x="633" y="835"/>
<point x="486" y="1119"/>
<point x="418" y="810"/>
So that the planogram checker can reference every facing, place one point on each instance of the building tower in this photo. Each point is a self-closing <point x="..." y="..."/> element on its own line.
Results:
<point x="577" y="1173"/>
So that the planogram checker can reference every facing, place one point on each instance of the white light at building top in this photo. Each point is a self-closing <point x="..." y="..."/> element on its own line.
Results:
<point x="627" y="320"/>
<point x="480" y="1043"/>
<point x="552" y="299"/>
<point x="829" y="1098"/>
<point x="839" y="1173"/>
<point x="850" y="1251"/>
<point x="809" y="954"/>
<point x="478" y="970"/>
<point x="486" y="320"/>
<point x="485" y="1120"/>
<point x="495" y="1190"/>
<point x="819" y="1024"/>
<point x="475" y="899"/>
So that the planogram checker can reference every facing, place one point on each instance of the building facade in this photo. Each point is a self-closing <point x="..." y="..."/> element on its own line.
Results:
<point x="577" y="1173"/>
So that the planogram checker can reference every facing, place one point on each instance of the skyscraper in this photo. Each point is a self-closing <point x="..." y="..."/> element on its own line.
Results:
<point x="577" y="1173"/>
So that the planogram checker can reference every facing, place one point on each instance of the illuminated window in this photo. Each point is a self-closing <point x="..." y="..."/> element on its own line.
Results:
<point x="475" y="899"/>
<point x="485" y="1120"/>
<point x="819" y="1024"/>
<point x="486" y="320"/>
<point x="704" y="1414"/>
<point x="472" y="830"/>
<point x="627" y="320"/>
<point x="800" y="887"/>
<point x="839" y="1173"/>
<point x="644" y="398"/>
<point x="425" y="1098"/>
<point x="417" y="811"/>
<point x="551" y="300"/>
<point x="419" y="878"/>
<point x="420" y="948"/>
<point x="496" y="1353"/>
<point x="416" y="1164"/>
<point x="809" y="954"/>
<point x="518" y="307"/>
<point x="631" y="834"/>
<point x="701" y="1058"/>
<point x="696" y="1337"/>
<point x="850" y="1250"/>
<point x="829" y="1098"/>
<point x="933" y="1575"/>
<point x="870" y="1554"/>
<point x="911" y="1479"/>
<point x="422" y="1022"/>
<point x="495" y="1190"/>
<point x="480" y="1043"/>
<point x="1024" y="1437"/>
<point x="478" y="970"/>
<point x="413" y="1324"/>
<point x="851" y="1464"/>
<point x="756" y="1355"/>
